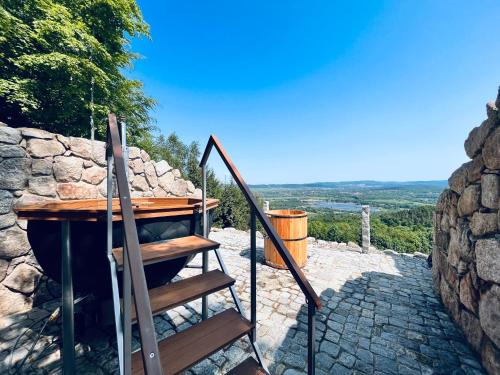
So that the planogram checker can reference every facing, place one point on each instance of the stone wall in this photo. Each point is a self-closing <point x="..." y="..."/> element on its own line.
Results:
<point x="36" y="165"/>
<point x="466" y="254"/>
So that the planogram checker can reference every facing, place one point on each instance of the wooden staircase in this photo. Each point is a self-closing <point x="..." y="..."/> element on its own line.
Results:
<point x="185" y="349"/>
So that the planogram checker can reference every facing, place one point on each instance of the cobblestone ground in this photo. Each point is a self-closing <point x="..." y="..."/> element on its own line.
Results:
<point x="380" y="316"/>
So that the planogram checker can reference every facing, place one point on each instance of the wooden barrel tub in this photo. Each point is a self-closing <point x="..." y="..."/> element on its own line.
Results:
<point x="291" y="226"/>
<point x="157" y="219"/>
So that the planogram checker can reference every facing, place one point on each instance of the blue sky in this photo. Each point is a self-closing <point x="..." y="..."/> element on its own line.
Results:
<point x="306" y="91"/>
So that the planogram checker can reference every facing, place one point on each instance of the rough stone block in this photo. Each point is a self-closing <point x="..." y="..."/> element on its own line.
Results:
<point x="12" y="151"/>
<point x="68" y="168"/>
<point x="80" y="147"/>
<point x="475" y="169"/>
<point x="139" y="183"/>
<point x="150" y="173"/>
<point x="166" y="181"/>
<point x="24" y="279"/>
<point x="450" y="299"/>
<point x="14" y="173"/>
<point x="458" y="180"/>
<point x="469" y="201"/>
<point x="472" y="328"/>
<point x="477" y="137"/>
<point x="41" y="167"/>
<point x="491" y="358"/>
<point x="43" y="185"/>
<point x="7" y="220"/>
<point x="13" y="302"/>
<point x="6" y="200"/>
<point x="145" y="156"/>
<point x="491" y="150"/>
<point x="469" y="296"/>
<point x="488" y="259"/>
<point x="490" y="190"/>
<point x="134" y="153"/>
<point x="94" y="175"/>
<point x="162" y="167"/>
<point x="13" y="243"/>
<point x="483" y="223"/>
<point x="41" y="148"/>
<point x="10" y="135"/>
<point x="79" y="190"/>
<point x="489" y="313"/>
<point x="137" y="165"/>
<point x="36" y="133"/>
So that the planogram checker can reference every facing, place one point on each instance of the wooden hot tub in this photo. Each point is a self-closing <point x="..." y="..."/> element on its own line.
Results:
<point x="157" y="219"/>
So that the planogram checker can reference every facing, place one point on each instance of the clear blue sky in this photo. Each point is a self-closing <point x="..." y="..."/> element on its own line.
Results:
<point x="305" y="91"/>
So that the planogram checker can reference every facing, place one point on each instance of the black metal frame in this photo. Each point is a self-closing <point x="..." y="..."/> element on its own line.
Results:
<point x="313" y="300"/>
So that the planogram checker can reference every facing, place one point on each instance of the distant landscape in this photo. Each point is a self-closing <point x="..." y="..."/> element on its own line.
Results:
<point x="401" y="211"/>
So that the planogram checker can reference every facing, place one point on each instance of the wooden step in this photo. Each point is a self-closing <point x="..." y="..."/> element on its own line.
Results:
<point x="168" y="296"/>
<point x="248" y="367"/>
<point x="160" y="251"/>
<point x="185" y="349"/>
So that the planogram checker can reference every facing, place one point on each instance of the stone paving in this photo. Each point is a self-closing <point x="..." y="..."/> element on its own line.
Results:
<point x="380" y="316"/>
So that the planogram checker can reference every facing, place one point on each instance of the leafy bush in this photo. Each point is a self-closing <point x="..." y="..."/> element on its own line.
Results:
<point x="53" y="52"/>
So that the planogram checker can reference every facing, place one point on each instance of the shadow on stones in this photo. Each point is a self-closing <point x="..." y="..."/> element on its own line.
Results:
<point x="379" y="323"/>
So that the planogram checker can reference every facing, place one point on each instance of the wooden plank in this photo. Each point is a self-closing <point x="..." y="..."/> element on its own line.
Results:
<point x="168" y="296"/>
<point x="95" y="209"/>
<point x="160" y="251"/>
<point x="183" y="350"/>
<point x="248" y="367"/>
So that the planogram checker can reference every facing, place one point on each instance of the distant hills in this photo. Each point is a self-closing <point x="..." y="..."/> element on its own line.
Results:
<point x="365" y="184"/>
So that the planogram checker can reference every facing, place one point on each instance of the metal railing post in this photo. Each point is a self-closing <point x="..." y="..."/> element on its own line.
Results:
<point x="68" y="308"/>
<point x="127" y="285"/>
<point x="111" y="259"/>
<point x="311" y="338"/>
<point x="204" y="300"/>
<point x="253" y="273"/>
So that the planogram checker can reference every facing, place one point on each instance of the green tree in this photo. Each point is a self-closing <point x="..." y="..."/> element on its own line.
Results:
<point x="53" y="53"/>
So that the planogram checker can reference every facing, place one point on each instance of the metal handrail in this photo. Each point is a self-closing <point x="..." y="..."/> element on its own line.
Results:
<point x="296" y="272"/>
<point x="149" y="346"/>
<point x="313" y="300"/>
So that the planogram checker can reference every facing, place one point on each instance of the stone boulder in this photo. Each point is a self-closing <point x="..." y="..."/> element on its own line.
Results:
<point x="41" y="167"/>
<point x="42" y="185"/>
<point x="41" y="148"/>
<point x="13" y="243"/>
<point x="469" y="201"/>
<point x="150" y="173"/>
<point x="14" y="173"/>
<point x="13" y="302"/>
<point x="12" y="151"/>
<point x="490" y="190"/>
<point x="6" y="199"/>
<point x="79" y="190"/>
<point x="483" y="223"/>
<point x="68" y="168"/>
<point x="477" y="138"/>
<point x="489" y="313"/>
<point x="36" y="133"/>
<point x="162" y="167"/>
<point x="24" y="279"/>
<point x="491" y="151"/>
<point x="94" y="175"/>
<point x="10" y="135"/>
<point x="458" y="180"/>
<point x="488" y="259"/>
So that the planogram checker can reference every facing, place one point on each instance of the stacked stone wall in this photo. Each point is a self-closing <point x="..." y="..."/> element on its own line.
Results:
<point x="466" y="254"/>
<point x="36" y="165"/>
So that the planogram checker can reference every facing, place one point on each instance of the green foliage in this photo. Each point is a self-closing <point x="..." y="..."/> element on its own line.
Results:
<point x="233" y="209"/>
<point x="403" y="230"/>
<point x="52" y="50"/>
<point x="336" y="227"/>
